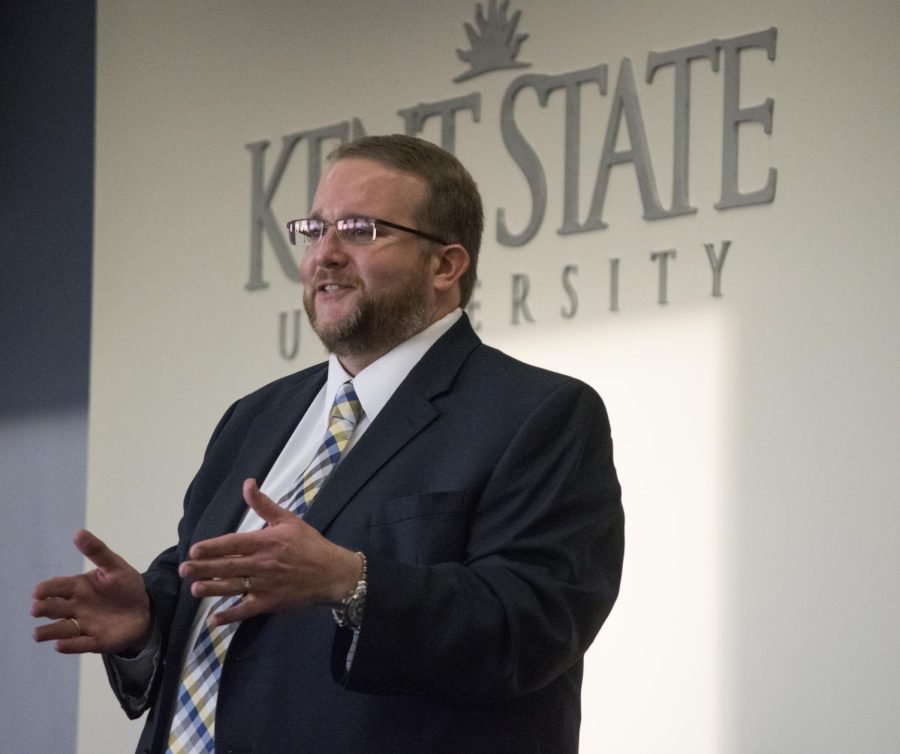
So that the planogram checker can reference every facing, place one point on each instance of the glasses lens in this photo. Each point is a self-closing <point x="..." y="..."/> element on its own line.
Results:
<point x="310" y="230"/>
<point x="357" y="230"/>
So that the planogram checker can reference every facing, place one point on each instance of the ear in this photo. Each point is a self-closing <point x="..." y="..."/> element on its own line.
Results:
<point x="449" y="264"/>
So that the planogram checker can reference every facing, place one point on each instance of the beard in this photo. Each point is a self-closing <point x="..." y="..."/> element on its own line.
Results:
<point x="379" y="322"/>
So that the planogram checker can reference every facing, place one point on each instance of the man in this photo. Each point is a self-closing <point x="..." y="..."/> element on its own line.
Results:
<point x="462" y="518"/>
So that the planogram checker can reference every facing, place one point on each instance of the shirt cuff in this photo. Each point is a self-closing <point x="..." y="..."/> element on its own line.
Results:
<point x="132" y="677"/>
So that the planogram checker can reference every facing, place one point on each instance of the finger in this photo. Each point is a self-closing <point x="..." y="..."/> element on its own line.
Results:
<point x="61" y="587"/>
<point x="95" y="550"/>
<point x="219" y="587"/>
<point x="52" y="608"/>
<point x="47" y="632"/>
<point x="58" y="630"/>
<point x="236" y="545"/>
<point x="267" y="509"/>
<point x="77" y="646"/>
<point x="246" y="608"/>
<point x="213" y="568"/>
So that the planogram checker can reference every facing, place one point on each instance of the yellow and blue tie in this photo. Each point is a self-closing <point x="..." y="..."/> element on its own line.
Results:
<point x="193" y="726"/>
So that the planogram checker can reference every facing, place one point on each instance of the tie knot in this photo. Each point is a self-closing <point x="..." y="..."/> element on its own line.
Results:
<point x="346" y="405"/>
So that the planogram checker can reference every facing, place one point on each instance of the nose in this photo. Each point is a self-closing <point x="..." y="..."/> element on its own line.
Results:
<point x="328" y="251"/>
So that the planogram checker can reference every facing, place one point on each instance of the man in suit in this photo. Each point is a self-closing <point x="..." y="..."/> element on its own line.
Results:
<point x="463" y="524"/>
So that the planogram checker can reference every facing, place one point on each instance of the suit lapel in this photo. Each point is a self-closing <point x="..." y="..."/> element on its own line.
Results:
<point x="404" y="416"/>
<point x="265" y="439"/>
<point x="409" y="411"/>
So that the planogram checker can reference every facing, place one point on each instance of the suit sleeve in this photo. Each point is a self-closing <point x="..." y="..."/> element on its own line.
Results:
<point x="542" y="571"/>
<point x="134" y="680"/>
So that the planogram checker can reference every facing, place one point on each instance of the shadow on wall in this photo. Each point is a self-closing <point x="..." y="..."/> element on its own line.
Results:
<point x="47" y="56"/>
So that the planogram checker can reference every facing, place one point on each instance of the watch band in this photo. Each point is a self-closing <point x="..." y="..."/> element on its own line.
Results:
<point x="349" y="613"/>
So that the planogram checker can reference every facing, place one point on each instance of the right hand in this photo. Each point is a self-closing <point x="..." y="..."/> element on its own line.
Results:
<point x="104" y="610"/>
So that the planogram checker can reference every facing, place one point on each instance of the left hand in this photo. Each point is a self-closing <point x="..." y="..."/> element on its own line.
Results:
<point x="289" y="564"/>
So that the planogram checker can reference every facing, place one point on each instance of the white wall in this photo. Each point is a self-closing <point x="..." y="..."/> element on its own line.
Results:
<point x="755" y="432"/>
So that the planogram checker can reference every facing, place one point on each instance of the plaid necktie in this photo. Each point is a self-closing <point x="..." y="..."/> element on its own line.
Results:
<point x="345" y="413"/>
<point x="193" y="726"/>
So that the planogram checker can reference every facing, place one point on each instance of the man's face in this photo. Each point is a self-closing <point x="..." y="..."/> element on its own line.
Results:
<point x="364" y="300"/>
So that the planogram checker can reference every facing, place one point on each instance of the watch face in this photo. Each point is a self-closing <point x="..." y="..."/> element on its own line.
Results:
<point x="356" y="605"/>
<point x="354" y="613"/>
<point x="351" y="609"/>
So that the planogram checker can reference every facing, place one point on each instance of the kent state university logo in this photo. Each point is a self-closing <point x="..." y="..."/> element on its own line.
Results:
<point x="494" y="45"/>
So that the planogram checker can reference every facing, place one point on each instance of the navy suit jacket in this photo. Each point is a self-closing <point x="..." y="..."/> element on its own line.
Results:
<point x="485" y="498"/>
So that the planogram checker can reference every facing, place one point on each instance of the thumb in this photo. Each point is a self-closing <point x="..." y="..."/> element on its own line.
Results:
<point x="264" y="506"/>
<point x="94" y="549"/>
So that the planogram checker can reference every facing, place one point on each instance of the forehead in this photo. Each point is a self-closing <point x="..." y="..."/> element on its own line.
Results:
<point x="354" y="186"/>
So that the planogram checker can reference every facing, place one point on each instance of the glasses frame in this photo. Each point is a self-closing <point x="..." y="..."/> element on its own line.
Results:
<point x="293" y="232"/>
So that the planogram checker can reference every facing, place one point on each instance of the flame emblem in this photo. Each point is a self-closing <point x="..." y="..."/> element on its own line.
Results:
<point x="495" y="45"/>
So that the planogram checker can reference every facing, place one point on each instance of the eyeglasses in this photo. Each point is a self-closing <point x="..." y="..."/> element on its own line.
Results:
<point x="358" y="231"/>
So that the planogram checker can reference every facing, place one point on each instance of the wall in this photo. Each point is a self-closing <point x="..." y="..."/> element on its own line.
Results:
<point x="46" y="200"/>
<point x="755" y="430"/>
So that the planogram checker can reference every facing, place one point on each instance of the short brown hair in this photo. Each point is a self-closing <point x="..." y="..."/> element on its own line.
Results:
<point x="452" y="209"/>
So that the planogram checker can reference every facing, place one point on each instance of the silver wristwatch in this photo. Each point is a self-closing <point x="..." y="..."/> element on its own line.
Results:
<point x="350" y="612"/>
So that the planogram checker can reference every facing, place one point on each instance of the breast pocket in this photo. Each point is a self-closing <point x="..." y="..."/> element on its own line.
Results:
<point x="421" y="529"/>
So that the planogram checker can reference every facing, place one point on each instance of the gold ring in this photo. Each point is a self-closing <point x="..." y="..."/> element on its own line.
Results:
<point x="246" y="585"/>
<point x="77" y="626"/>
